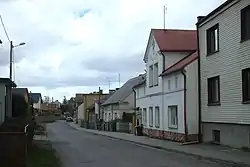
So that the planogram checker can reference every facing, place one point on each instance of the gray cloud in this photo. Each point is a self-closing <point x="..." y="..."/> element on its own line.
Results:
<point x="120" y="63"/>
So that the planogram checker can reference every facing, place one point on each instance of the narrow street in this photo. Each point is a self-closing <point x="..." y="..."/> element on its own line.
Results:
<point x="81" y="149"/>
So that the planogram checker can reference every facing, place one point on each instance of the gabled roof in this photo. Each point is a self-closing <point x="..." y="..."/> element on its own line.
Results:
<point x="123" y="92"/>
<point x="173" y="40"/>
<point x="7" y="81"/>
<point x="181" y="64"/>
<point x="20" y="91"/>
<point x="214" y="11"/>
<point x="35" y="97"/>
<point x="142" y="82"/>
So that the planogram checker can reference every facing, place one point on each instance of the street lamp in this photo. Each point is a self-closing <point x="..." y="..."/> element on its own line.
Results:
<point x="11" y="55"/>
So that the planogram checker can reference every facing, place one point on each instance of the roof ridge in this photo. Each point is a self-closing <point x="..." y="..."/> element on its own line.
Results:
<point x="180" y="60"/>
<point x="174" y="29"/>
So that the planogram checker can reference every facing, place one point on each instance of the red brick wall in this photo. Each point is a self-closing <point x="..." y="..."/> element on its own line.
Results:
<point x="166" y="135"/>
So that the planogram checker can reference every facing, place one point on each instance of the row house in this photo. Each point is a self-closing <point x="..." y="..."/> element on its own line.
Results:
<point x="224" y="63"/>
<point x="121" y="101"/>
<point x="168" y="98"/>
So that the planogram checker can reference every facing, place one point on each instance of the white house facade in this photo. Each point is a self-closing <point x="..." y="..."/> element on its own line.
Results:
<point x="224" y="50"/>
<point x="163" y="51"/>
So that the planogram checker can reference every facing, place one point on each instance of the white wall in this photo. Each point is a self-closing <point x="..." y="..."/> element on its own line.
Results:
<point x="2" y="103"/>
<point x="37" y="105"/>
<point x="192" y="100"/>
<point x="174" y="96"/>
<point x="233" y="56"/>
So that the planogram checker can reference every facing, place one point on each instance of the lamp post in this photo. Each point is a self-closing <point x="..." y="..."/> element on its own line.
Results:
<point x="11" y="55"/>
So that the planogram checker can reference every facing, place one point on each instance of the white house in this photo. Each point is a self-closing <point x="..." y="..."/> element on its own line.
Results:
<point x="224" y="50"/>
<point x="180" y="96"/>
<point x="122" y="100"/>
<point x="164" y="49"/>
<point x="37" y="100"/>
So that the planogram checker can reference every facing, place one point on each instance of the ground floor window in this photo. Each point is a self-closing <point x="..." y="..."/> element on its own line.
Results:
<point x="144" y="115"/>
<point x="173" y="116"/>
<point x="151" y="116"/>
<point x="157" y="116"/>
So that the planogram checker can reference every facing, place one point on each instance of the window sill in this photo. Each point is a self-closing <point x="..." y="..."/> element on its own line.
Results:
<point x="209" y="54"/>
<point x="246" y="102"/>
<point x="214" y="104"/>
<point x="156" y="85"/>
<point x="150" y="86"/>
<point x="151" y="126"/>
<point x="157" y="126"/>
<point x="173" y="127"/>
<point x="244" y="40"/>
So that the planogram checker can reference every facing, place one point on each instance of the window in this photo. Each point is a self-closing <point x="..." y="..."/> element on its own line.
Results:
<point x="245" y="23"/>
<point x="137" y="93"/>
<point x="144" y="90"/>
<point x="157" y="116"/>
<point x="213" y="39"/>
<point x="214" y="90"/>
<point x="144" y="116"/>
<point x="169" y="84"/>
<point x="173" y="116"/>
<point x="176" y="82"/>
<point x="150" y="116"/>
<point x="216" y="136"/>
<point x="155" y="74"/>
<point x="246" y="85"/>
<point x="105" y="117"/>
<point x="109" y="117"/>
<point x="115" y="115"/>
<point x="151" y="73"/>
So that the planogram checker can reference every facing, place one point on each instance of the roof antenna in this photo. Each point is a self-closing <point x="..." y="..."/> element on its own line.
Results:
<point x="164" y="16"/>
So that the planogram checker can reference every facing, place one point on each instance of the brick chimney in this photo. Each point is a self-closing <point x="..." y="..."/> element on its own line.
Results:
<point x="199" y="18"/>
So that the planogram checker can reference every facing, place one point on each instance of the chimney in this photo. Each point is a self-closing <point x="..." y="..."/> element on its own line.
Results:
<point x="199" y="18"/>
<point x="101" y="91"/>
<point x="111" y="91"/>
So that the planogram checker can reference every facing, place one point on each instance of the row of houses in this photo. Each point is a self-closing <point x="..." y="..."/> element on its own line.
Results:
<point x="197" y="82"/>
<point x="8" y="90"/>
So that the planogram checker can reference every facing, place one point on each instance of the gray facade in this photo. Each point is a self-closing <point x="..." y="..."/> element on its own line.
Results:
<point x="230" y="117"/>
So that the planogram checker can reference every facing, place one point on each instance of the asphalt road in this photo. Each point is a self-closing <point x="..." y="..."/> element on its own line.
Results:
<point x="82" y="149"/>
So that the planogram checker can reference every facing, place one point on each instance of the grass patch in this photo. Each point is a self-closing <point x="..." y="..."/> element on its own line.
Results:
<point x="42" y="155"/>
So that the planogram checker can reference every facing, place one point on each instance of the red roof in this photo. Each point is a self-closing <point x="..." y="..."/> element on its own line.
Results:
<point x="181" y="64"/>
<point x="176" y="40"/>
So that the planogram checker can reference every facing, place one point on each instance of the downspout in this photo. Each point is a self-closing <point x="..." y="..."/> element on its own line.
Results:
<point x="162" y="96"/>
<point x="199" y="87"/>
<point x="135" y="105"/>
<point x="185" y="105"/>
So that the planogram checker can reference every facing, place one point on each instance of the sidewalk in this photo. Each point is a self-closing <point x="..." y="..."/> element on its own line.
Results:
<point x="210" y="152"/>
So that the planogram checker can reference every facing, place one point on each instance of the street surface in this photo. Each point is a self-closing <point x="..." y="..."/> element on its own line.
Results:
<point x="82" y="149"/>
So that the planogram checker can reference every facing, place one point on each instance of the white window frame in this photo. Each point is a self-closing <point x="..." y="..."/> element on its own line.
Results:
<point x="151" y="116"/>
<point x="169" y="84"/>
<point x="156" y="73"/>
<point x="145" y="116"/>
<point x="173" y="116"/>
<point x="157" y="116"/>
<point x="176" y="81"/>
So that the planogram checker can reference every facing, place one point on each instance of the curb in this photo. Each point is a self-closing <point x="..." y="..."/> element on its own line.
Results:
<point x="199" y="157"/>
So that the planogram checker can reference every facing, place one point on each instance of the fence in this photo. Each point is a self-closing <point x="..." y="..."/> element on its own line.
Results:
<point x="13" y="149"/>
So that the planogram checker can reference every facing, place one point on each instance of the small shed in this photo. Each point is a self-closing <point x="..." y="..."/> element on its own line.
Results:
<point x="6" y="86"/>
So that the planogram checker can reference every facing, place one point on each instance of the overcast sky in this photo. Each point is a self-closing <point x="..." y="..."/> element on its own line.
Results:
<point x="73" y="46"/>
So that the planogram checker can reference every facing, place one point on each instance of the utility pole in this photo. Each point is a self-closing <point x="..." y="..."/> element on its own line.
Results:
<point x="11" y="59"/>
<point x="99" y="104"/>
